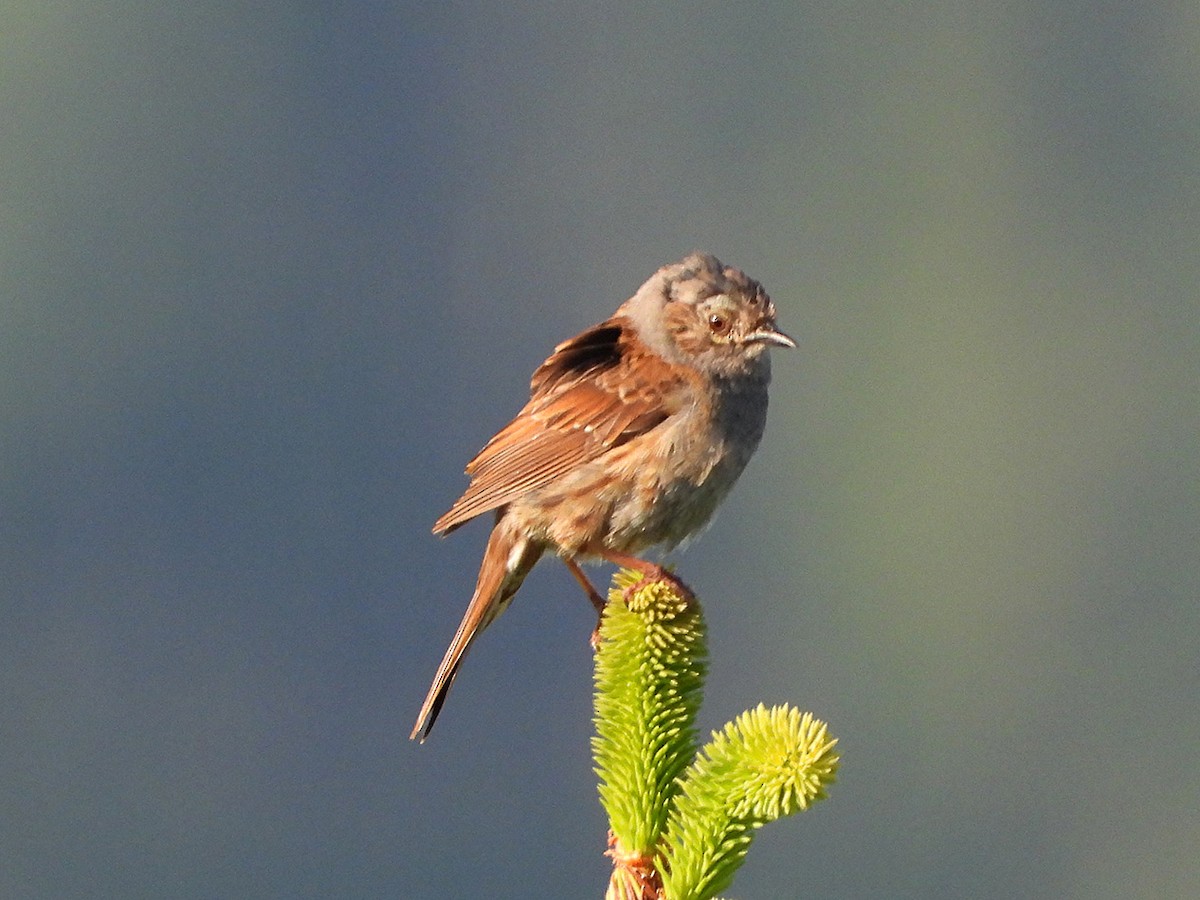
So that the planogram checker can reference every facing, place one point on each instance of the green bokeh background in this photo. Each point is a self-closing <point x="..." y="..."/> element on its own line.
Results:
<point x="269" y="275"/>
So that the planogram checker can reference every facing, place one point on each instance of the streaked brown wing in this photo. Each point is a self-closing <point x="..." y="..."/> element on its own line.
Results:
<point x="591" y="395"/>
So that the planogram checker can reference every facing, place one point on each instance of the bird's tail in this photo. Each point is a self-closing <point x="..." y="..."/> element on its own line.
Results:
<point x="506" y="561"/>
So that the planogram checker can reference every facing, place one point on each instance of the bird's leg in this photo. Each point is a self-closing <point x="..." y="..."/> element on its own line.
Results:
<point x="585" y="583"/>
<point x="650" y="571"/>
<point x="593" y="595"/>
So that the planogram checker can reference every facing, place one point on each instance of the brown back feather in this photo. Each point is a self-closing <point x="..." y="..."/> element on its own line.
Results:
<point x="583" y="402"/>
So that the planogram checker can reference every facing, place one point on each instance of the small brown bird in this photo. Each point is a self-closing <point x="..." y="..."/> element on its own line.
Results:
<point x="634" y="431"/>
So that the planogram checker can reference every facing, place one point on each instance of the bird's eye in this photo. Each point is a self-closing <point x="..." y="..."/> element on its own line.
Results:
<point x="718" y="324"/>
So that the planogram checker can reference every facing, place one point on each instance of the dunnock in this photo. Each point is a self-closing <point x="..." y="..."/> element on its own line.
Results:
<point x="634" y="431"/>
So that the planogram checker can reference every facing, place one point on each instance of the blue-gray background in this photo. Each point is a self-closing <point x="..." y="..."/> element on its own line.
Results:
<point x="271" y="273"/>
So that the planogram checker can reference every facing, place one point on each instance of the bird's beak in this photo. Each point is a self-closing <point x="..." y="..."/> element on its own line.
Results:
<point x="769" y="335"/>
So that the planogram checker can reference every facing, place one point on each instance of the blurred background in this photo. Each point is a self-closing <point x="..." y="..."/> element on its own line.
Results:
<point x="271" y="273"/>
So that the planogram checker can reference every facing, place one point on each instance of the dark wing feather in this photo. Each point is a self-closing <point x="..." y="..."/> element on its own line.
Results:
<point x="585" y="401"/>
